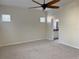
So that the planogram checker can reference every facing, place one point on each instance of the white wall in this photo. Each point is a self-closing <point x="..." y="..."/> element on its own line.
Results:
<point x="69" y="24"/>
<point x="25" y="26"/>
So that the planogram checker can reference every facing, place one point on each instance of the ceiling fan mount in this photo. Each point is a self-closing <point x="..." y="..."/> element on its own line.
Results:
<point x="46" y="5"/>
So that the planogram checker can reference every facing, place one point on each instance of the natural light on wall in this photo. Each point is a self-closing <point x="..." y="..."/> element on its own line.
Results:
<point x="6" y="18"/>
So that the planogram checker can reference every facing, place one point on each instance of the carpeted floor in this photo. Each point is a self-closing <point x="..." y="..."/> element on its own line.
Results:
<point x="43" y="49"/>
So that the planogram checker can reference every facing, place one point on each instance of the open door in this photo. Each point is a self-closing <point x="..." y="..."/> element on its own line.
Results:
<point x="56" y="29"/>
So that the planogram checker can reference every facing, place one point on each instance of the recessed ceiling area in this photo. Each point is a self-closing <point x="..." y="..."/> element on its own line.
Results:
<point x="29" y="3"/>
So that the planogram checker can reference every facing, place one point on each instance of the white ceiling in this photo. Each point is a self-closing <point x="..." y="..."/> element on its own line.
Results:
<point x="29" y="3"/>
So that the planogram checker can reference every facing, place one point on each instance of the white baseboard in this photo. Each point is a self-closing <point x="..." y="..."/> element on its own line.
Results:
<point x="68" y="45"/>
<point x="9" y="44"/>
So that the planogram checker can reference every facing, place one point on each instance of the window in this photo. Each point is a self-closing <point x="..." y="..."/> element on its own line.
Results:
<point x="42" y="19"/>
<point x="55" y="24"/>
<point x="6" y="18"/>
<point x="49" y="19"/>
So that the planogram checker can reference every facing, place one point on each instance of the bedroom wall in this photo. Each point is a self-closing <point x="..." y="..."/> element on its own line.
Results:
<point x="25" y="26"/>
<point x="69" y="24"/>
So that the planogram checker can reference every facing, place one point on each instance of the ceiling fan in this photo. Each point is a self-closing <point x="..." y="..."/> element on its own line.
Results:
<point x="46" y="5"/>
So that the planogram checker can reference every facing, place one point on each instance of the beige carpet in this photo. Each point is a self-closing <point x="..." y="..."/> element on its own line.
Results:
<point x="44" y="49"/>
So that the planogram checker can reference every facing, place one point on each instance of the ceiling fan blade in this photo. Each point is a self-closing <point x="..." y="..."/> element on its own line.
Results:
<point x="36" y="2"/>
<point x="54" y="7"/>
<point x="34" y="7"/>
<point x="52" y="2"/>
